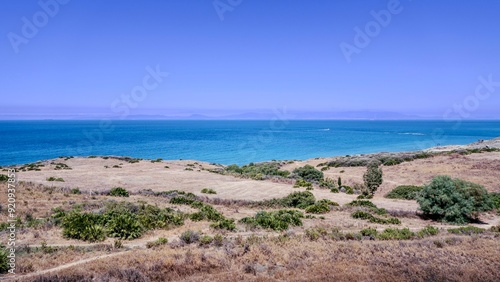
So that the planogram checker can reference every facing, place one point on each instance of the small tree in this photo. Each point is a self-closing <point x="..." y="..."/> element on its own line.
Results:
<point x="453" y="200"/>
<point x="372" y="179"/>
<point x="339" y="182"/>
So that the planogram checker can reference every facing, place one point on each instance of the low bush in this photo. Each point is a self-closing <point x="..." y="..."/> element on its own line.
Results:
<point x="3" y="178"/>
<point x="308" y="172"/>
<point x="302" y="183"/>
<point x="318" y="208"/>
<point x="190" y="237"/>
<point x="208" y="191"/>
<point x="55" y="179"/>
<point x="362" y="203"/>
<point x="467" y="230"/>
<point x="328" y="183"/>
<point x="159" y="242"/>
<point x="314" y="234"/>
<point x="83" y="226"/>
<point x="75" y="191"/>
<point x="396" y="234"/>
<point x="299" y="200"/>
<point x="405" y="192"/>
<point x="495" y="199"/>
<point x="125" y="226"/>
<point x="428" y="231"/>
<point x="258" y="171"/>
<point x="206" y="240"/>
<point x="227" y="224"/>
<point x="4" y="260"/>
<point x="347" y="190"/>
<point x="367" y="216"/>
<point x="118" y="192"/>
<point x="334" y="190"/>
<point x="371" y="232"/>
<point x="276" y="220"/>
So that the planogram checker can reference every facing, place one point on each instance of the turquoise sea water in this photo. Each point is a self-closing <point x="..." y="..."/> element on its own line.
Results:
<point x="229" y="142"/>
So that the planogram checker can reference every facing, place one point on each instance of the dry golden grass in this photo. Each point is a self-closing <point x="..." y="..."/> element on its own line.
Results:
<point x="298" y="259"/>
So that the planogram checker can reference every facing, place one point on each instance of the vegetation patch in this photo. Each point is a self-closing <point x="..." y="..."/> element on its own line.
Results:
<point x="3" y="178"/>
<point x="302" y="183"/>
<point x="396" y="234"/>
<point x="118" y="192"/>
<point x="208" y="191"/>
<point x="405" y="192"/>
<point x="321" y="206"/>
<point x="55" y="179"/>
<point x="160" y="241"/>
<point x="276" y="220"/>
<point x="428" y="231"/>
<point x="308" y="172"/>
<point x="466" y="230"/>
<point x="367" y="216"/>
<point x="61" y="166"/>
<point x="453" y="200"/>
<point x="120" y="220"/>
<point x="257" y="171"/>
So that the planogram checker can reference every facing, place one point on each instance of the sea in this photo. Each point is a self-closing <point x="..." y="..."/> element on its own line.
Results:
<point x="229" y="141"/>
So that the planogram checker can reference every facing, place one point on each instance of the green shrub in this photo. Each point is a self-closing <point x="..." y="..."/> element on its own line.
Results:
<point x="4" y="260"/>
<point x="83" y="226"/>
<point x="405" y="192"/>
<point x="75" y="191"/>
<point x="318" y="208"/>
<point x="348" y="190"/>
<point x="55" y="179"/>
<point x="159" y="242"/>
<point x="125" y="226"/>
<point x="328" y="202"/>
<point x="206" y="212"/>
<point x="152" y="217"/>
<point x="206" y="240"/>
<point x="334" y="190"/>
<point x="396" y="234"/>
<point x="118" y="192"/>
<point x="308" y="172"/>
<point x="227" y="224"/>
<point x="372" y="232"/>
<point x="495" y="228"/>
<point x="299" y="200"/>
<point x="181" y="201"/>
<point x="328" y="183"/>
<point x="495" y="199"/>
<point x="453" y="200"/>
<point x="190" y="237"/>
<point x="276" y="220"/>
<point x="3" y="178"/>
<point x="315" y="233"/>
<point x="258" y="171"/>
<point x="428" y="231"/>
<point x="302" y="183"/>
<point x="362" y="203"/>
<point x="367" y="216"/>
<point x="208" y="191"/>
<point x="467" y="230"/>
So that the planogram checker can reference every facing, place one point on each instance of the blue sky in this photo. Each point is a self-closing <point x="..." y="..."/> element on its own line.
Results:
<point x="83" y="57"/>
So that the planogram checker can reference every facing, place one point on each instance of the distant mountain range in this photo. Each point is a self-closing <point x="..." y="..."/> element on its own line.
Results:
<point x="292" y="115"/>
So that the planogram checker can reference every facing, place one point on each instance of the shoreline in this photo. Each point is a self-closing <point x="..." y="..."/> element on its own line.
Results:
<point x="493" y="144"/>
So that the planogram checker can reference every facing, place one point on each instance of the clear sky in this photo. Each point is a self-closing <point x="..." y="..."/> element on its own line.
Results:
<point x="236" y="56"/>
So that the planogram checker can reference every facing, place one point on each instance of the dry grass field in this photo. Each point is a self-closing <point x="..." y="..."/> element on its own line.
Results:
<point x="324" y="248"/>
